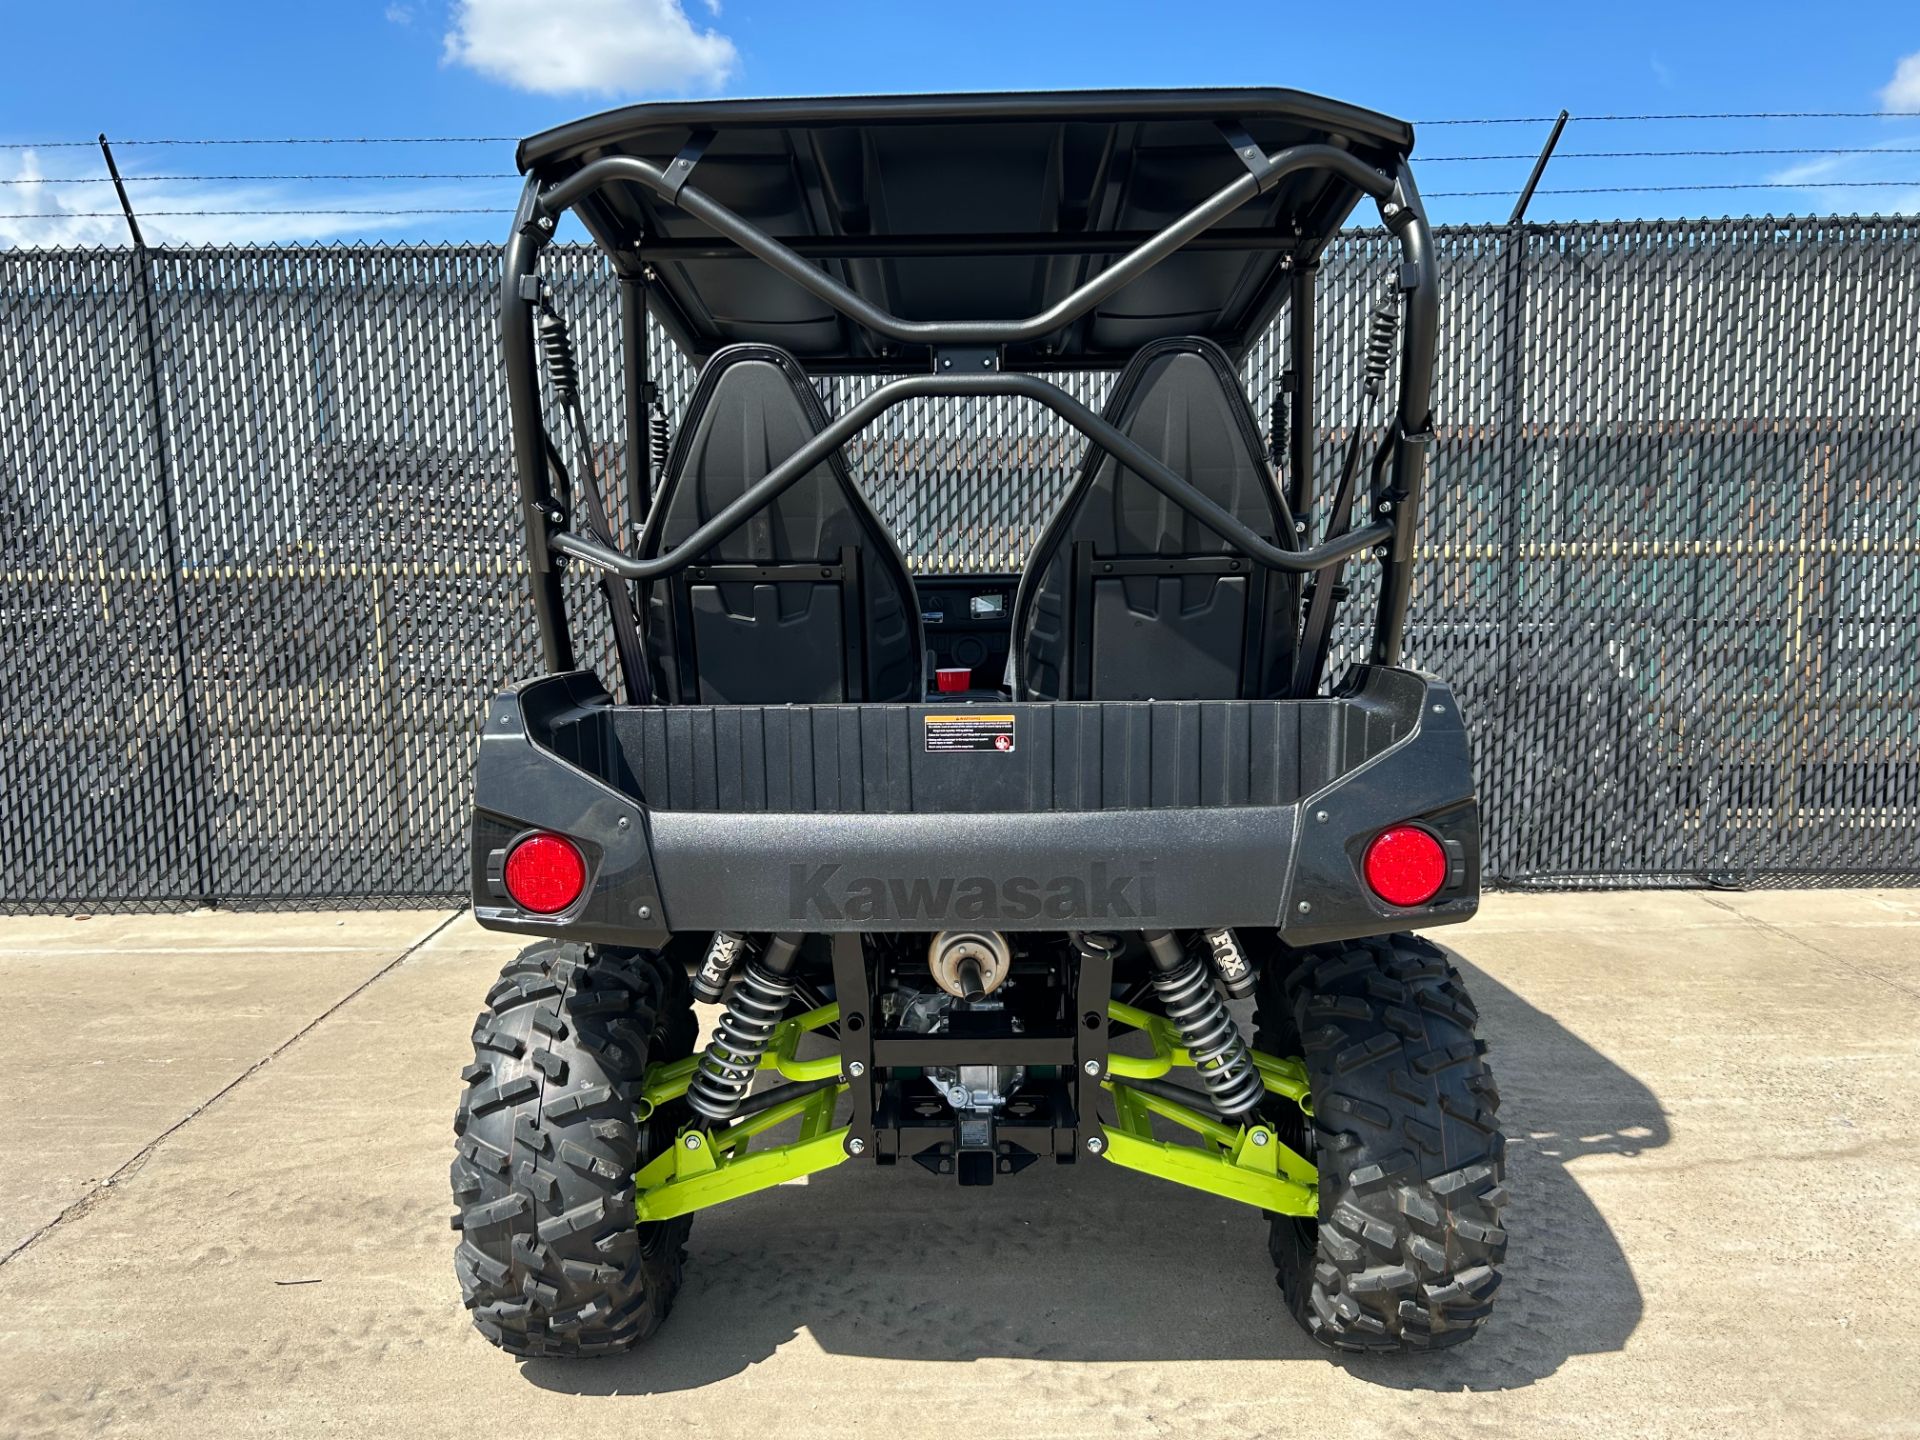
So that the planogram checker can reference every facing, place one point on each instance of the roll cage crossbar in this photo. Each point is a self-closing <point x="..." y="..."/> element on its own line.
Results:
<point x="933" y="387"/>
<point x="1263" y="173"/>
<point x="965" y="363"/>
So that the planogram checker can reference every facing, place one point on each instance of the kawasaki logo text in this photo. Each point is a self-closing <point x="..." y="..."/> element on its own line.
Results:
<point x="821" y="892"/>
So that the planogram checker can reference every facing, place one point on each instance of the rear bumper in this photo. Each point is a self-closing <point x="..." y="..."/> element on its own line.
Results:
<point x="1114" y="815"/>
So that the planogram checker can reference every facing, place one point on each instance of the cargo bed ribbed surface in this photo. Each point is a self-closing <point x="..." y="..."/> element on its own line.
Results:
<point x="873" y="759"/>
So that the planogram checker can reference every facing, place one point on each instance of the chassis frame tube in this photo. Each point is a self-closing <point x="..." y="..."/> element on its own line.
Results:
<point x="1262" y="175"/>
<point x="1300" y="360"/>
<point x="1419" y="281"/>
<point x="517" y="343"/>
<point x="919" y="387"/>
<point x="638" y="467"/>
<point x="1400" y="207"/>
<point x="972" y="246"/>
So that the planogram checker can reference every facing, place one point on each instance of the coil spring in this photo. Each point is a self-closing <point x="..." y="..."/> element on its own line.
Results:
<point x="1277" y="428"/>
<point x="557" y="346"/>
<point x="756" y="1005"/>
<point x="1383" y="327"/>
<point x="659" y="437"/>
<point x="1206" y="1028"/>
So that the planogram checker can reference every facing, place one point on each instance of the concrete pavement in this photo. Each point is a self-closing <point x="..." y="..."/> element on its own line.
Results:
<point x="1715" y="1170"/>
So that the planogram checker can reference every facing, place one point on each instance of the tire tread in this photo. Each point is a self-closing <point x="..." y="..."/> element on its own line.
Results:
<point x="1406" y="1252"/>
<point x="551" y="1260"/>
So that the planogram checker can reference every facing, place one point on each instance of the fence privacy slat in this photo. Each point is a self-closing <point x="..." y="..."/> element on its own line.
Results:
<point x="1671" y="559"/>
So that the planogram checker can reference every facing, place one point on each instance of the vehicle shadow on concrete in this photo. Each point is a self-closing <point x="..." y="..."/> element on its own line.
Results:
<point x="1091" y="1263"/>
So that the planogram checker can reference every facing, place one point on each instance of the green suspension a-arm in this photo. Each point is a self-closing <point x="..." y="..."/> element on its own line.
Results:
<point x="705" y="1168"/>
<point x="1247" y="1163"/>
<point x="710" y="1167"/>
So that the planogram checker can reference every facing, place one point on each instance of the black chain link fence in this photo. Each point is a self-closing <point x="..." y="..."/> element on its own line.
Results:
<point x="259" y="560"/>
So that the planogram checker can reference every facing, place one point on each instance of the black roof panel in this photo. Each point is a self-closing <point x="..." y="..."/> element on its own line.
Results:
<point x="969" y="207"/>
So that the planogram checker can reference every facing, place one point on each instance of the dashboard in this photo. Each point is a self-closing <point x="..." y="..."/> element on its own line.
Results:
<point x="968" y="621"/>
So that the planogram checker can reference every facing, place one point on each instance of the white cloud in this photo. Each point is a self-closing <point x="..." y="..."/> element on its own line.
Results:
<point x="400" y="14"/>
<point x="61" y="215"/>
<point x="555" y="47"/>
<point x="1903" y="91"/>
<point x="33" y="214"/>
<point x="1878" y="180"/>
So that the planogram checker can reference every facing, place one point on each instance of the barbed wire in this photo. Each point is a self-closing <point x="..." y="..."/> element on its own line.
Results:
<point x="1691" y="115"/>
<point x="270" y="140"/>
<point x="504" y="175"/>
<point x="181" y="179"/>
<point x="7" y="217"/>
<point x="1662" y="189"/>
<point x="1559" y="155"/>
<point x="1609" y="119"/>
<point x="464" y="177"/>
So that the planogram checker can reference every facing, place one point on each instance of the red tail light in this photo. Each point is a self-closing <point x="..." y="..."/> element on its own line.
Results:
<point x="1405" y="866"/>
<point x="545" y="874"/>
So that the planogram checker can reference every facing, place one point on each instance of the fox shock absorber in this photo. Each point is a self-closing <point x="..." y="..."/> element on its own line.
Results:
<point x="724" y="954"/>
<point x="1230" y="963"/>
<point x="756" y="1004"/>
<point x="1199" y="1012"/>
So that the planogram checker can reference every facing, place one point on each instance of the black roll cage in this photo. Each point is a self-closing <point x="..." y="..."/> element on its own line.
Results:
<point x="966" y="362"/>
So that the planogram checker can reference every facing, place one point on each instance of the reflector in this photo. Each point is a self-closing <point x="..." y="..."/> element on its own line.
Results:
<point x="545" y="873"/>
<point x="1405" y="865"/>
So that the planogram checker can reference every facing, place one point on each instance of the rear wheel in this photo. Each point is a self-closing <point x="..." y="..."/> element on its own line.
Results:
<point x="551" y="1259"/>
<point x="1406" y="1251"/>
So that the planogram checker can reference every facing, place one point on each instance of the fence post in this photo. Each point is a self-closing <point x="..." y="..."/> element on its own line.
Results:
<point x="1539" y="168"/>
<point x="1509" y="852"/>
<point x="194" y="802"/>
<point x="1508" y="855"/>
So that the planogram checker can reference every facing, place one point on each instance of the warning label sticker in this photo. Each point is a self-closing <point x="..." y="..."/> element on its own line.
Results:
<point x="952" y="734"/>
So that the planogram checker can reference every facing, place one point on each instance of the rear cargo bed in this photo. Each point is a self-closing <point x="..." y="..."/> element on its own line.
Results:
<point x="1020" y="816"/>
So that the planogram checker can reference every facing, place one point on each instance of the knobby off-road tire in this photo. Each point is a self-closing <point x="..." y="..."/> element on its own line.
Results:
<point x="551" y="1259"/>
<point x="1406" y="1252"/>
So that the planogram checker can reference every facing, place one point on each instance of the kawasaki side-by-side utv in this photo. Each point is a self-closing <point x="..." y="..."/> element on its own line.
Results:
<point x="973" y="866"/>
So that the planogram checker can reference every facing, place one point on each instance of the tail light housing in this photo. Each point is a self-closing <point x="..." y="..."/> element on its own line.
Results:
<point x="544" y="873"/>
<point x="1405" y="865"/>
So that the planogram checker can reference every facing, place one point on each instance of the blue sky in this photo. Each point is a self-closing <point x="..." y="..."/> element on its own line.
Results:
<point x="509" y="67"/>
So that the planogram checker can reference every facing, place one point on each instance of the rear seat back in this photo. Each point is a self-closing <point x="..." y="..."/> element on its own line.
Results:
<point x="808" y="601"/>
<point x="1128" y="597"/>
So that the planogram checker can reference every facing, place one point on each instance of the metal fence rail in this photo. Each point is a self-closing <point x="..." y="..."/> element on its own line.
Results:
<point x="1672" y="555"/>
